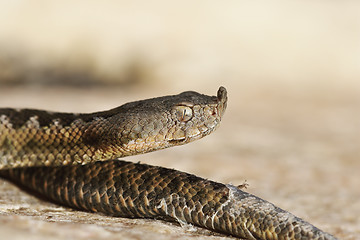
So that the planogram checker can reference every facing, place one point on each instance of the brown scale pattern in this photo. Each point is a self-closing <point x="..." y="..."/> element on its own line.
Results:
<point x="133" y="190"/>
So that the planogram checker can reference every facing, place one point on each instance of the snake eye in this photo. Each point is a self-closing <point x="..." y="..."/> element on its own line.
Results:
<point x="183" y="113"/>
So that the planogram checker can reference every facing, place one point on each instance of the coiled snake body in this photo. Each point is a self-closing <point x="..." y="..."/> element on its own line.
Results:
<point x="62" y="156"/>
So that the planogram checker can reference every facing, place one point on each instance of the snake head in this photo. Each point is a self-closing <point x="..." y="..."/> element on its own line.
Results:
<point x="195" y="117"/>
<point x="157" y="123"/>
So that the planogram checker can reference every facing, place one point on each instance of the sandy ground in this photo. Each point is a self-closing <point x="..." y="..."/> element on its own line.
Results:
<point x="297" y="148"/>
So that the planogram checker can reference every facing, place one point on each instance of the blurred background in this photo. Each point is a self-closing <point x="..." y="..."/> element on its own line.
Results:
<point x="292" y="70"/>
<point x="84" y="43"/>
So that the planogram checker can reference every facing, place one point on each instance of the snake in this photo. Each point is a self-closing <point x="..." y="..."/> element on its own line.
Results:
<point x="73" y="159"/>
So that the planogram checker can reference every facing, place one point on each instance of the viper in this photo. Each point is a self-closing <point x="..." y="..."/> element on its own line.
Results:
<point x="73" y="159"/>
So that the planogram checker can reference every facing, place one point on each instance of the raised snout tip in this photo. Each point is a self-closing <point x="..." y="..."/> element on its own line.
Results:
<point x="222" y="99"/>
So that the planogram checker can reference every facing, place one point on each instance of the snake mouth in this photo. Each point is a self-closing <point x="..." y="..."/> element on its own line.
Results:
<point x="188" y="137"/>
<point x="195" y="133"/>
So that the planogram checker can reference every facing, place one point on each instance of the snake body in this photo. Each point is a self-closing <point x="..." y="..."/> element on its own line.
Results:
<point x="67" y="158"/>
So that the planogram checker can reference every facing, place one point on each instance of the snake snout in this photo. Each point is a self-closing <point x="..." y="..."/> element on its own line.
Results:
<point x="222" y="100"/>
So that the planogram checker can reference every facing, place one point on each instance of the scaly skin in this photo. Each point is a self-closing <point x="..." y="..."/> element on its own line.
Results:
<point x="119" y="188"/>
<point x="126" y="189"/>
<point x="36" y="138"/>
